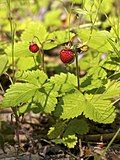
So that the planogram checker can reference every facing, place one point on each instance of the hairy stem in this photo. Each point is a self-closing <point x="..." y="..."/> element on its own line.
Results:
<point x="12" y="30"/>
<point x="77" y="70"/>
<point x="108" y="146"/>
<point x="42" y="60"/>
<point x="41" y="54"/>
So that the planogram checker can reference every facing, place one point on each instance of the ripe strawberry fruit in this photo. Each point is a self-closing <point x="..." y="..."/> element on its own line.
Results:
<point x="33" y="47"/>
<point x="67" y="56"/>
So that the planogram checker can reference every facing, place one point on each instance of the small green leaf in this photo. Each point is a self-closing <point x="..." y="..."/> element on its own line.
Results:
<point x="70" y="141"/>
<point x="73" y="105"/>
<point x="23" y="109"/>
<point x="89" y="83"/>
<point x="56" y="38"/>
<point x="3" y="63"/>
<point x="55" y="15"/>
<point x="18" y="93"/>
<point x="99" y="110"/>
<point x="46" y="98"/>
<point x="98" y="40"/>
<point x="81" y="11"/>
<point x="76" y="1"/>
<point x="25" y="63"/>
<point x="56" y="130"/>
<point x="34" y="29"/>
<point x="64" y="82"/>
<point x="112" y="90"/>
<point x="35" y="77"/>
<point x="112" y="65"/>
<point x="114" y="47"/>
<point x="21" y="49"/>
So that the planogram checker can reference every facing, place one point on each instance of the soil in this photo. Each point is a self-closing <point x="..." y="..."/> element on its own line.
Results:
<point x="34" y="144"/>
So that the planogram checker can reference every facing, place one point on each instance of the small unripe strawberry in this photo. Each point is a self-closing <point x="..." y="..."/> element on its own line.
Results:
<point x="67" y="56"/>
<point x="33" y="47"/>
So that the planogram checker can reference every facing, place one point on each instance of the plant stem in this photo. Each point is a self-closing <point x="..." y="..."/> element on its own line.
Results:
<point x="69" y="19"/>
<point x="12" y="30"/>
<point x="77" y="71"/>
<point x="42" y="54"/>
<point x="42" y="60"/>
<point x="108" y="146"/>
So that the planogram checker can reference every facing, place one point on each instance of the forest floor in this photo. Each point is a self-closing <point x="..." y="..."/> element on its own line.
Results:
<point x="34" y="144"/>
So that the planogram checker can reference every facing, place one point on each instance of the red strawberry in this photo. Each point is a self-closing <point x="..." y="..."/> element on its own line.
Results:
<point x="33" y="47"/>
<point x="67" y="56"/>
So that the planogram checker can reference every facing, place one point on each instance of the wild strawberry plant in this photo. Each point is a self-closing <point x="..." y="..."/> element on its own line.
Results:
<point x="71" y="100"/>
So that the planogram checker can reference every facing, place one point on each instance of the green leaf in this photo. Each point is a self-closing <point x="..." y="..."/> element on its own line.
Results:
<point x="70" y="141"/>
<point x="99" y="109"/>
<point x="97" y="72"/>
<point x="112" y="90"/>
<point x="56" y="130"/>
<point x="105" y="7"/>
<point x="89" y="83"/>
<point x="46" y="99"/>
<point x="112" y="65"/>
<point x="115" y="28"/>
<point x="78" y="126"/>
<point x="98" y="40"/>
<point x="25" y="63"/>
<point x="64" y="82"/>
<point x="102" y="6"/>
<point x="22" y="109"/>
<point x="52" y="18"/>
<point x="19" y="93"/>
<point x="23" y="57"/>
<point x="21" y="49"/>
<point x="73" y="105"/>
<point x="76" y="1"/>
<point x="115" y="47"/>
<point x="3" y="63"/>
<point x="81" y="11"/>
<point x="35" y="77"/>
<point x="35" y="29"/>
<point x="56" y="38"/>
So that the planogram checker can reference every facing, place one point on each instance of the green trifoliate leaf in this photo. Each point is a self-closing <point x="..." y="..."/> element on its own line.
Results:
<point x="35" y="77"/>
<point x="99" y="109"/>
<point x="18" y="93"/>
<point x="73" y="105"/>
